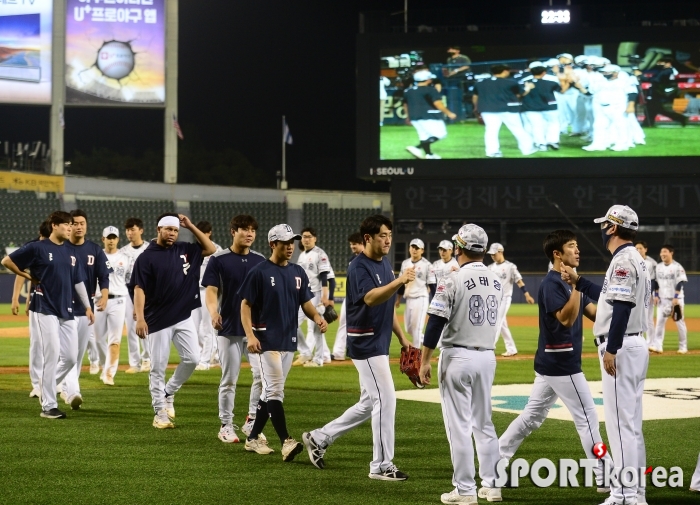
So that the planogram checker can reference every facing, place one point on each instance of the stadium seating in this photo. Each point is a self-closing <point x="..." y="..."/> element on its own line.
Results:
<point x="219" y="214"/>
<point x="23" y="212"/>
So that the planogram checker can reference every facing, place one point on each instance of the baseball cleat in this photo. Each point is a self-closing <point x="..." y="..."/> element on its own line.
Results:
<point x="301" y="360"/>
<point x="495" y="155"/>
<point x="312" y="364"/>
<point x="682" y="351"/>
<point x="611" y="501"/>
<point x="162" y="421"/>
<point x="215" y="363"/>
<point x="227" y="434"/>
<point x="34" y="393"/>
<point x="393" y="473"/>
<point x="490" y="493"/>
<point x="170" y="406"/>
<point x="542" y="148"/>
<point x="248" y="425"/>
<point x="291" y="448"/>
<point x="53" y="414"/>
<point x="133" y="369"/>
<point x="145" y="366"/>
<point x="507" y="354"/>
<point x="108" y="380"/>
<point x="554" y="146"/>
<point x="316" y="452"/>
<point x="202" y="366"/>
<point x="259" y="446"/>
<point x="416" y="151"/>
<point x="655" y="350"/>
<point x="94" y="368"/>
<point x="75" y="401"/>
<point x="454" y="497"/>
<point x="693" y="490"/>
<point x="433" y="157"/>
<point x="64" y="397"/>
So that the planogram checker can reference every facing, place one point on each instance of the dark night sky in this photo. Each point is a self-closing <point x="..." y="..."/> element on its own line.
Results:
<point x="243" y="64"/>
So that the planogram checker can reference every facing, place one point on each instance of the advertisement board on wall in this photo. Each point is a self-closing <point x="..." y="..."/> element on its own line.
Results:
<point x="25" y="51"/>
<point x="115" y="52"/>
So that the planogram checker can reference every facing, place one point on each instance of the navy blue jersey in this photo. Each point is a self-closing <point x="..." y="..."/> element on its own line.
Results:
<point x="58" y="271"/>
<point x="276" y="293"/>
<point x="95" y="265"/>
<point x="226" y="271"/>
<point x="498" y="95"/>
<point x="541" y="97"/>
<point x="559" y="347"/>
<point x="421" y="102"/>
<point x="169" y="277"/>
<point x="369" y="328"/>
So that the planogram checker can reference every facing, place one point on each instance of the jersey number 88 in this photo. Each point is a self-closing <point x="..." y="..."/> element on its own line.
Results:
<point x="480" y="311"/>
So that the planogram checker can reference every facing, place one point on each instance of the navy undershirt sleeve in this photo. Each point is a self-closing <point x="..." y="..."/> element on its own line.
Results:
<point x="433" y="331"/>
<point x="432" y="288"/>
<point x="679" y="286"/>
<point x="401" y="290"/>
<point x="654" y="285"/>
<point x="618" y="325"/>
<point x="323" y="277"/>
<point x="331" y="288"/>
<point x="588" y="288"/>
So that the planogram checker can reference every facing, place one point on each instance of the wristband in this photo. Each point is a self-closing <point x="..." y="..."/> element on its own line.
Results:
<point x="522" y="288"/>
<point x="656" y="294"/>
<point x="578" y="280"/>
<point x="676" y="295"/>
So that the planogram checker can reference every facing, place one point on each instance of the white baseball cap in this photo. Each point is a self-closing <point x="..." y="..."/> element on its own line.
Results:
<point x="282" y="232"/>
<point x="418" y="243"/>
<point x="110" y="230"/>
<point x="552" y="62"/>
<point x="581" y="59"/>
<point x="536" y="64"/>
<point x="621" y="215"/>
<point x="423" y="75"/>
<point x="611" y="68"/>
<point x="471" y="237"/>
<point x="565" y="55"/>
<point x="446" y="245"/>
<point x="495" y="247"/>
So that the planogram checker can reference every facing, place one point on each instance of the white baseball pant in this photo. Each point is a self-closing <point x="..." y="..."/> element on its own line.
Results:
<point x="427" y="128"/>
<point x="544" y="126"/>
<point x="274" y="367"/>
<point x="414" y="318"/>
<point x="205" y="333"/>
<point x="465" y="380"/>
<point x="132" y="339"/>
<point x="651" y="331"/>
<point x="576" y="395"/>
<point x="502" y="326"/>
<point x="231" y="350"/>
<point x="315" y="340"/>
<point x="59" y="347"/>
<point x="622" y="401"/>
<point x="492" y="124"/>
<point x="584" y="114"/>
<point x="36" y="355"/>
<point x="109" y="326"/>
<point x="84" y="330"/>
<point x="695" y="480"/>
<point x="609" y="126"/>
<point x="566" y="108"/>
<point x="183" y="336"/>
<point x="341" y="336"/>
<point x="95" y="354"/>
<point x="378" y="402"/>
<point x="663" y="312"/>
<point x="634" y="129"/>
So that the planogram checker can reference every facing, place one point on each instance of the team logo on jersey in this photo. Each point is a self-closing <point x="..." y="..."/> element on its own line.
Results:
<point x="50" y="256"/>
<point x="620" y="274"/>
<point x="298" y="279"/>
<point x="272" y="281"/>
<point x="91" y="259"/>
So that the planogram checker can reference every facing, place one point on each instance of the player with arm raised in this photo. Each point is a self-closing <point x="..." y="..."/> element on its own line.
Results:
<point x="357" y="247"/>
<point x="415" y="292"/>
<point x="642" y="248"/>
<point x="670" y="277"/>
<point x="165" y="283"/>
<point x="371" y="318"/>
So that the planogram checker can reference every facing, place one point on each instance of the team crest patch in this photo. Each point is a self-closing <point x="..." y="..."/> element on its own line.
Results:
<point x="620" y="274"/>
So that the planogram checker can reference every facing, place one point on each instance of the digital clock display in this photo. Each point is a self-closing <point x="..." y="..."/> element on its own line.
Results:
<point x="556" y="17"/>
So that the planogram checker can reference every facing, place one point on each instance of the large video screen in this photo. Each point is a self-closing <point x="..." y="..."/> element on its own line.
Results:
<point x="624" y="99"/>
<point x="25" y="52"/>
<point x="115" y="52"/>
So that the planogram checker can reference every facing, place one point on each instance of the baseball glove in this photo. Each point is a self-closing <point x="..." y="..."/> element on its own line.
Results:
<point x="330" y="314"/>
<point x="677" y="313"/>
<point x="410" y="365"/>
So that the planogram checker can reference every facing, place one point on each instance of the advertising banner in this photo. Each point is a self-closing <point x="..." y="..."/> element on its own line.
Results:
<point x="22" y="181"/>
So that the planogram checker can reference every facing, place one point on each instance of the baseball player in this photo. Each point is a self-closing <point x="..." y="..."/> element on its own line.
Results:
<point x="498" y="101"/>
<point x="371" y="317"/>
<point x="558" y="371"/>
<point x="609" y="109"/>
<point x="424" y="111"/>
<point x="139" y="361"/>
<point x="200" y="316"/>
<point x="357" y="247"/>
<point x="58" y="277"/>
<point x="97" y="269"/>
<point x="539" y="107"/>
<point x="464" y="311"/>
<point x="317" y="266"/>
<point x="509" y="275"/>
<point x="415" y="292"/>
<point x="165" y="294"/>
<point x="441" y="267"/>
<point x="670" y="276"/>
<point x="271" y="295"/>
<point x="109" y="323"/>
<point x="224" y="274"/>
<point x="624" y="359"/>
<point x="642" y="248"/>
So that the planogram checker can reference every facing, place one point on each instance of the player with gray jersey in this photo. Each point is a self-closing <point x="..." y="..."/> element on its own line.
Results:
<point x="464" y="311"/>
<point x="442" y="267"/>
<point x="558" y="373"/>
<point x="620" y="321"/>
<point x="509" y="275"/>
<point x="642" y="248"/>
<point x="415" y="292"/>
<point x="670" y="278"/>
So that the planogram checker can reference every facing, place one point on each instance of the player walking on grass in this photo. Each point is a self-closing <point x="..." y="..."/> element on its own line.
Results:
<point x="620" y="321"/>
<point x="643" y="248"/>
<point x="424" y="111"/>
<point x="670" y="276"/>
<point x="223" y="276"/>
<point x="54" y="269"/>
<point x="464" y="314"/>
<point x="272" y="294"/>
<point x="371" y="318"/>
<point x="415" y="292"/>
<point x="558" y="371"/>
<point x="165" y="282"/>
<point x="357" y="246"/>
<point x="202" y="320"/>
<point x="508" y="273"/>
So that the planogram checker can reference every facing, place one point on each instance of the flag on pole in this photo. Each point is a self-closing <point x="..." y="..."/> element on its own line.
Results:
<point x="287" y="135"/>
<point x="178" y="130"/>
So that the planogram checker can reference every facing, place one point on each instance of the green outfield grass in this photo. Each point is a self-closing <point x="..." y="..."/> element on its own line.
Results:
<point x="466" y="140"/>
<point x="108" y="452"/>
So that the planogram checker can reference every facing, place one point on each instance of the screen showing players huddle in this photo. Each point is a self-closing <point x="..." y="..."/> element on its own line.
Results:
<point x="626" y="99"/>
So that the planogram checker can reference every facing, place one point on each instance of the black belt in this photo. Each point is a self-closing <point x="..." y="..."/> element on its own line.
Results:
<point x="471" y="347"/>
<point x="115" y="296"/>
<point x="601" y="340"/>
